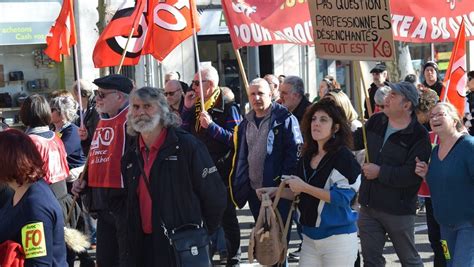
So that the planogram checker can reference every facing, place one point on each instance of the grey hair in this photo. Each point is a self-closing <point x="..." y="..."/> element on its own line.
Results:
<point x="210" y="73"/>
<point x="86" y="86"/>
<point x="174" y="75"/>
<point x="261" y="82"/>
<point x="66" y="106"/>
<point x="154" y="96"/>
<point x="296" y="83"/>
<point x="381" y="93"/>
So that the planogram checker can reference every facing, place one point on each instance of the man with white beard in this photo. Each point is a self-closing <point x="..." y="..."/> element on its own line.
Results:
<point x="106" y="193"/>
<point x="171" y="179"/>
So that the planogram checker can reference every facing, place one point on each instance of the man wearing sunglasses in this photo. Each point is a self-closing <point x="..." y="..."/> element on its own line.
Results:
<point x="174" y="93"/>
<point x="214" y="125"/>
<point x="107" y="194"/>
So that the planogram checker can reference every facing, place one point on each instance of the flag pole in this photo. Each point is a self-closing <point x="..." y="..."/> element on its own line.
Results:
<point x="77" y="72"/>
<point x="358" y="79"/>
<point x="239" y="60"/>
<point x="78" y="85"/>
<point x="242" y="70"/>
<point x="122" y="59"/>
<point x="196" y="50"/>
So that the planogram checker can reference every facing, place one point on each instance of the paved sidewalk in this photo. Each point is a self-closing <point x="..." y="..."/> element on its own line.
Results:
<point x="421" y="239"/>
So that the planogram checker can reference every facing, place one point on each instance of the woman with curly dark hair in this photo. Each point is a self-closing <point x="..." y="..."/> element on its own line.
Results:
<point x="327" y="180"/>
<point x="32" y="217"/>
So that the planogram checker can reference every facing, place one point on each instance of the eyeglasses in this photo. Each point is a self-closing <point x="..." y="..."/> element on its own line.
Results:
<point x="170" y="93"/>
<point x="438" y="115"/>
<point x="196" y="82"/>
<point x="103" y="95"/>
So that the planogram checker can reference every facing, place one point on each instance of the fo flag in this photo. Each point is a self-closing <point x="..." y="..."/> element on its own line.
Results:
<point x="160" y="26"/>
<point x="455" y="78"/>
<point x="62" y="34"/>
<point x="111" y="43"/>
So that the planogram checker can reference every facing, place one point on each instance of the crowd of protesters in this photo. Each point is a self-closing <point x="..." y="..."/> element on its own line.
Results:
<point x="135" y="166"/>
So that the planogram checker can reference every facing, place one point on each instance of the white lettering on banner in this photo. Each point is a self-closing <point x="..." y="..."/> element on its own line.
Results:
<point x="174" y="10"/>
<point x="243" y="8"/>
<point x="254" y="33"/>
<point x="440" y="28"/>
<point x="102" y="136"/>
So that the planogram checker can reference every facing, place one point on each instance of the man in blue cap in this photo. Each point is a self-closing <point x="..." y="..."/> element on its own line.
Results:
<point x="388" y="192"/>
<point x="103" y="177"/>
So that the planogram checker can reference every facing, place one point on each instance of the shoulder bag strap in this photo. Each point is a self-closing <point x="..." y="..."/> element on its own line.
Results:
<point x="278" y="194"/>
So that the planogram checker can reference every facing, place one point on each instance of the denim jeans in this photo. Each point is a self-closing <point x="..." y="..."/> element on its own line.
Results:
<point x="460" y="245"/>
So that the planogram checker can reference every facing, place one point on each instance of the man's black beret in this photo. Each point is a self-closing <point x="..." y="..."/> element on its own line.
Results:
<point x="116" y="82"/>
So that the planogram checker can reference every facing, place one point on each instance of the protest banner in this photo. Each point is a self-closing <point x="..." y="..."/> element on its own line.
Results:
<point x="264" y="22"/>
<point x="431" y="21"/>
<point x="352" y="29"/>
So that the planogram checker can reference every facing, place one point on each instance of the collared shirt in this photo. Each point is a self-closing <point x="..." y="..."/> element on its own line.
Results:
<point x="144" y="198"/>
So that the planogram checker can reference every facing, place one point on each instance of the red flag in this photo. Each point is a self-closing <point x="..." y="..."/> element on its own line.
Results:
<point x="455" y="78"/>
<point x="260" y="22"/>
<point x="163" y="26"/>
<point x="62" y="34"/>
<point x="172" y="23"/>
<point x="111" y="43"/>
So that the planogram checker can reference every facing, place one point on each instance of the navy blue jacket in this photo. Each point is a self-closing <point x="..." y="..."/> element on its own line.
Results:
<point x="37" y="210"/>
<point x="72" y="144"/>
<point x="283" y="143"/>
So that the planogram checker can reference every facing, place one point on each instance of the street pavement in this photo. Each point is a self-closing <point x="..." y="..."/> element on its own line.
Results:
<point x="246" y="222"/>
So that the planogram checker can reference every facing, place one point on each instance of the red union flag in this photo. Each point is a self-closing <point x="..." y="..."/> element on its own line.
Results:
<point x="111" y="43"/>
<point x="161" y="25"/>
<point x="172" y="23"/>
<point x="455" y="78"/>
<point x="62" y="34"/>
<point x="431" y="21"/>
<point x="265" y="22"/>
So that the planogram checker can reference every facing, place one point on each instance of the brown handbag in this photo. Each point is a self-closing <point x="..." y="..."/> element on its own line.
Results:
<point x="267" y="242"/>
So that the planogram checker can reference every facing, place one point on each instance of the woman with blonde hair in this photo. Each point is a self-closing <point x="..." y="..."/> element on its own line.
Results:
<point x="450" y="179"/>
<point x="343" y="101"/>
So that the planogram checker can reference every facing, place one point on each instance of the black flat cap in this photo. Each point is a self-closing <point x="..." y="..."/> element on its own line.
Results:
<point x="380" y="67"/>
<point x="116" y="82"/>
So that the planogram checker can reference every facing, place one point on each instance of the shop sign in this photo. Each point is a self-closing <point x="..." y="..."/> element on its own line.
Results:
<point x="213" y="22"/>
<point x="266" y="22"/>
<point x="27" y="22"/>
<point x="431" y="21"/>
<point x="352" y="30"/>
